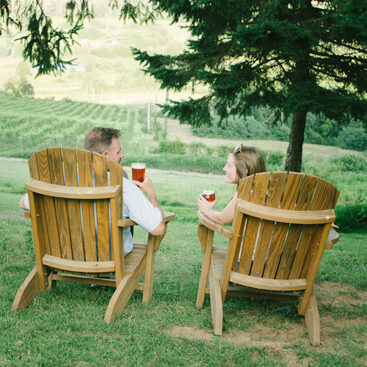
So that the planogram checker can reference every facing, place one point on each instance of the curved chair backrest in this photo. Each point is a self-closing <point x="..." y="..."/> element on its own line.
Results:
<point x="268" y="247"/>
<point x="75" y="229"/>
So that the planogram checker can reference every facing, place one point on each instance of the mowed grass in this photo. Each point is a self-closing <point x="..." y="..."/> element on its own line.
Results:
<point x="65" y="326"/>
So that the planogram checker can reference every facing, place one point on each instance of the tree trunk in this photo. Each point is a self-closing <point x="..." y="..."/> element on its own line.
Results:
<point x="293" y="160"/>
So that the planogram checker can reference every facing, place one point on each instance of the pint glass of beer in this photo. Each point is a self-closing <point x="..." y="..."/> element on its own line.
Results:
<point x="138" y="171"/>
<point x="209" y="195"/>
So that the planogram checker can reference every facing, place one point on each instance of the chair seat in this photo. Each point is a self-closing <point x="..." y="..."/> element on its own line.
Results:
<point x="135" y="257"/>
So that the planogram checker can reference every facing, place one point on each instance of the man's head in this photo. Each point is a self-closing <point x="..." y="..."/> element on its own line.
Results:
<point x="105" y="141"/>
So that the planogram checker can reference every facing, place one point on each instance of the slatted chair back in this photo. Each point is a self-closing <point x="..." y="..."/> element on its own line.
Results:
<point x="269" y="247"/>
<point x="80" y="230"/>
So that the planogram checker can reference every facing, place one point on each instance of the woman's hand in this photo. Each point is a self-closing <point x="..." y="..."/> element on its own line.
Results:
<point x="205" y="206"/>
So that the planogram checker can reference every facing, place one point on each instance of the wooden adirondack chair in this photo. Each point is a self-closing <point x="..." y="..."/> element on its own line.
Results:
<point x="279" y="234"/>
<point x="77" y="229"/>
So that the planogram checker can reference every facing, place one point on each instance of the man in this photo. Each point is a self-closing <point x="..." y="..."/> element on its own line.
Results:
<point x="145" y="212"/>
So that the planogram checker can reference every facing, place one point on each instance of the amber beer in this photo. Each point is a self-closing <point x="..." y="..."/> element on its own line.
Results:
<point x="209" y="195"/>
<point x="138" y="171"/>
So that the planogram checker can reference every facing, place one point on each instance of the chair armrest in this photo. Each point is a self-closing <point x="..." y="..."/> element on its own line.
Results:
<point x="214" y="226"/>
<point x="167" y="217"/>
<point x="332" y="239"/>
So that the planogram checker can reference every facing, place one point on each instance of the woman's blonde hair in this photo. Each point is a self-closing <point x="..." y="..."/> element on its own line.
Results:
<point x="248" y="160"/>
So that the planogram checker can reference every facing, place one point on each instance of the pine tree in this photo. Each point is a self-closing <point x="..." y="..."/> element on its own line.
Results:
<point x="294" y="56"/>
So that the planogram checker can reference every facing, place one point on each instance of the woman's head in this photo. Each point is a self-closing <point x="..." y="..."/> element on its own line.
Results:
<point x="242" y="162"/>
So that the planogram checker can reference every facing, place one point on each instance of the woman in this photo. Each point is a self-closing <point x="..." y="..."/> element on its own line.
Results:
<point x="241" y="162"/>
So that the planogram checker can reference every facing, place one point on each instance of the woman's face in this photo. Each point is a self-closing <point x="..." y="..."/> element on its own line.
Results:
<point x="230" y="170"/>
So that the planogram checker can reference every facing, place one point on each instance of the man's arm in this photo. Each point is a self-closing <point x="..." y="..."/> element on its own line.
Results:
<point x="147" y="187"/>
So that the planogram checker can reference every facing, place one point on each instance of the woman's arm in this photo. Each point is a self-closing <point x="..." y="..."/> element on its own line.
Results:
<point x="223" y="217"/>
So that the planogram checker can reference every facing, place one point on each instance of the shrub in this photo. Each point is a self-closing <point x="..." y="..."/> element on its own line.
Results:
<point x="351" y="217"/>
<point x="350" y="163"/>
<point x="354" y="137"/>
<point x="166" y="146"/>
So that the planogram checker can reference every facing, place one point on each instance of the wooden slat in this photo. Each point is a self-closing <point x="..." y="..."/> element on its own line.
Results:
<point x="244" y="192"/>
<point x="116" y="178"/>
<point x="38" y="235"/>
<point x="286" y="216"/>
<point x="289" y="200"/>
<point x="73" y="206"/>
<point x="100" y="179"/>
<point x="167" y="217"/>
<point x="50" y="219"/>
<point x="268" y="284"/>
<point x="33" y="171"/>
<point x="71" y="192"/>
<point x="274" y="195"/>
<point x="324" y="198"/>
<point x="295" y="230"/>
<point x="258" y="197"/>
<point x="62" y="215"/>
<point x="232" y="253"/>
<point x="214" y="226"/>
<point x="117" y="245"/>
<point x="84" y="279"/>
<point x="89" y="232"/>
<point x="79" y="266"/>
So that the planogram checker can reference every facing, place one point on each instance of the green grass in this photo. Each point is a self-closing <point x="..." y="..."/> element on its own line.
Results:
<point x="65" y="326"/>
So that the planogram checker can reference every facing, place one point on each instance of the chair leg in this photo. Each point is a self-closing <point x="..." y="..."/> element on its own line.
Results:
<point x="313" y="321"/>
<point x="122" y="294"/>
<point x="205" y="270"/>
<point x="216" y="304"/>
<point x="203" y="280"/>
<point x="27" y="291"/>
<point x="148" y="277"/>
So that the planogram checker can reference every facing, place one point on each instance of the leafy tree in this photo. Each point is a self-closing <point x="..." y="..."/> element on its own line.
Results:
<point x="19" y="86"/>
<point x="295" y="56"/>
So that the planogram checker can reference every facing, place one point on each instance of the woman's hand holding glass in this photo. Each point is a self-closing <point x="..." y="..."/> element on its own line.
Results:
<point x="205" y="206"/>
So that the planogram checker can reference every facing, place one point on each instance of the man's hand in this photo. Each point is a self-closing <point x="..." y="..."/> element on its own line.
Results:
<point x="147" y="187"/>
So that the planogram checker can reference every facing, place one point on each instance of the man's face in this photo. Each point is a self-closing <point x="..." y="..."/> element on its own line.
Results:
<point x="114" y="153"/>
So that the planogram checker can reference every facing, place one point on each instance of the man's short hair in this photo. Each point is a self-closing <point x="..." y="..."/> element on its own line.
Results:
<point x="99" y="139"/>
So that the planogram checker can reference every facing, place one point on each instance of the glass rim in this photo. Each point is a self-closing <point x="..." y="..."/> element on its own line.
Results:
<point x="138" y="165"/>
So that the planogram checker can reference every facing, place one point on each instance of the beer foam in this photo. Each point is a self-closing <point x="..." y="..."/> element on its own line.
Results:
<point x="138" y="165"/>
<point x="208" y="192"/>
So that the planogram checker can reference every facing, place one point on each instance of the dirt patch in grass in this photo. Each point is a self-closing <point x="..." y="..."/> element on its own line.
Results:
<point x="190" y="333"/>
<point x="339" y="294"/>
<point x="278" y="335"/>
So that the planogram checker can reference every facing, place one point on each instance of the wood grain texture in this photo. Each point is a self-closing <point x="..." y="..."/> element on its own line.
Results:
<point x="86" y="179"/>
<point x="103" y="220"/>
<point x="73" y="206"/>
<point x="253" y="224"/>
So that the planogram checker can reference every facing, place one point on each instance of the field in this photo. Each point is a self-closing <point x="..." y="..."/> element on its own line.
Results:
<point x="65" y="326"/>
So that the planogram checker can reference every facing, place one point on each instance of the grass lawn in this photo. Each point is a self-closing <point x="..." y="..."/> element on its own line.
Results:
<point x="65" y="326"/>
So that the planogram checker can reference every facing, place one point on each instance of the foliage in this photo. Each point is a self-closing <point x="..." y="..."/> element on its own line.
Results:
<point x="20" y="87"/>
<point x="353" y="136"/>
<point x="47" y="45"/>
<point x="292" y="57"/>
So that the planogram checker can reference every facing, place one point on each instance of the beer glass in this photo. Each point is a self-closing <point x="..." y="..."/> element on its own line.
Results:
<point x="138" y="171"/>
<point x="209" y="195"/>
